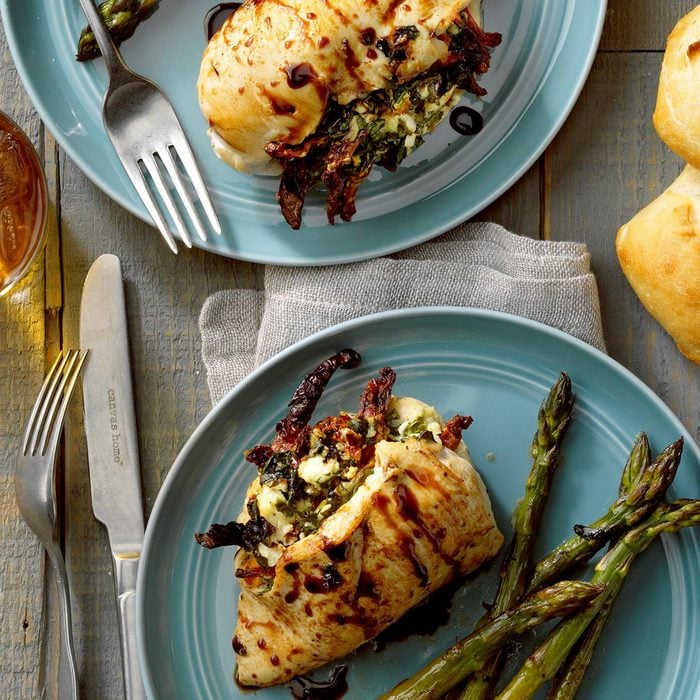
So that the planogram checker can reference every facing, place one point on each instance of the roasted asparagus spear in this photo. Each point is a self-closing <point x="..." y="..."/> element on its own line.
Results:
<point x="469" y="655"/>
<point x="552" y="422"/>
<point x="611" y="571"/>
<point x="644" y="493"/>
<point x="121" y="17"/>
<point x="570" y="675"/>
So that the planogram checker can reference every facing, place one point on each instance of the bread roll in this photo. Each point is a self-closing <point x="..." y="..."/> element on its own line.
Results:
<point x="659" y="251"/>
<point x="677" y="115"/>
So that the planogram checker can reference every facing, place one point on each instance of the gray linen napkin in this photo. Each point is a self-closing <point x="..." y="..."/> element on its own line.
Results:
<point x="478" y="264"/>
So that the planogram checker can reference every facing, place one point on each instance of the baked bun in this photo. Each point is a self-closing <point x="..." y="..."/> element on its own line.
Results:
<point x="677" y="115"/>
<point x="267" y="74"/>
<point x="659" y="252"/>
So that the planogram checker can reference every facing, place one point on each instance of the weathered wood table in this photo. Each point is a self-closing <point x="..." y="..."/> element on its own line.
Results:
<point x="605" y="164"/>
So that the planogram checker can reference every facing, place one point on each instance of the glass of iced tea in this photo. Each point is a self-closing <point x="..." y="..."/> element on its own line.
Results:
<point x="23" y="204"/>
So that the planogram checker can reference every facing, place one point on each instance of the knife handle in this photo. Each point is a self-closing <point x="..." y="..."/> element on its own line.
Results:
<point x="125" y="570"/>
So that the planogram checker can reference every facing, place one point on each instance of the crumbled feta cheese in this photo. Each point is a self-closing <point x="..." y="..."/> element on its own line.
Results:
<point x="271" y="555"/>
<point x="316" y="470"/>
<point x="409" y="121"/>
<point x="412" y="418"/>
<point x="268" y="499"/>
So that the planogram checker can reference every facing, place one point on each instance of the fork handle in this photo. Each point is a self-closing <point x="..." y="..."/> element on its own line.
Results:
<point x="67" y="672"/>
<point x="67" y="676"/>
<point x="116" y="69"/>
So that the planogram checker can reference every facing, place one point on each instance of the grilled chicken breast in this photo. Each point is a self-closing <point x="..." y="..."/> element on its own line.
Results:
<point x="419" y="521"/>
<point x="348" y="524"/>
<point x="323" y="89"/>
<point x="267" y="74"/>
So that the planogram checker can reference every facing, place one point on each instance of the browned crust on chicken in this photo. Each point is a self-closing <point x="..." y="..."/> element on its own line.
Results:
<point x="417" y="525"/>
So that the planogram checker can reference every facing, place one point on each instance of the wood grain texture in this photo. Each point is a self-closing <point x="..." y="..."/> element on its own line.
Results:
<point x="21" y="374"/>
<point x="641" y="25"/>
<point x="519" y="209"/>
<point x="609" y="162"/>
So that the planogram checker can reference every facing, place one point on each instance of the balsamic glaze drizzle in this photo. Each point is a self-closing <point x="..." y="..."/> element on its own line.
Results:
<point x="306" y="688"/>
<point x="299" y="75"/>
<point x="217" y="16"/>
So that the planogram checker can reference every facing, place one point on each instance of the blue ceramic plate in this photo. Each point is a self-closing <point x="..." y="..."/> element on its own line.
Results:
<point x="536" y="75"/>
<point x="497" y="368"/>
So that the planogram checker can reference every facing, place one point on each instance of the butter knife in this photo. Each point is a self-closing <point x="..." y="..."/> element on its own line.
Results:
<point x="110" y="428"/>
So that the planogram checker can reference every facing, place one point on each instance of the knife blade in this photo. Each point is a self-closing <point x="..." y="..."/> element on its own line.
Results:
<point x="110" y="429"/>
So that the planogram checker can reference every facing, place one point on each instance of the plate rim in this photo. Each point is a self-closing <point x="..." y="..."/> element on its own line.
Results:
<point x="213" y="415"/>
<point x="282" y="258"/>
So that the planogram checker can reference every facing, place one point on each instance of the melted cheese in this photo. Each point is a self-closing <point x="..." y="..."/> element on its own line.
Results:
<point x="268" y="73"/>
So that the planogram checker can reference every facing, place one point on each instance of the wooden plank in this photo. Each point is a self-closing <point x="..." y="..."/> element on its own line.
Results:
<point x="164" y="296"/>
<point x="21" y="374"/>
<point x="606" y="164"/>
<point x="641" y="25"/>
<point x="519" y="208"/>
<point x="53" y="306"/>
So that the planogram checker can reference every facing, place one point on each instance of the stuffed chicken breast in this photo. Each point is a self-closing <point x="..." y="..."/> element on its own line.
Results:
<point x="349" y="524"/>
<point x="321" y="90"/>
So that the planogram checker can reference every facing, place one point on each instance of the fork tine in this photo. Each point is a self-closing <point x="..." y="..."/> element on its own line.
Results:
<point x="139" y="182"/>
<point x="171" y="167"/>
<point x="37" y="417"/>
<point x="184" y="153"/>
<point x="40" y="405"/>
<point x="57" y="412"/>
<point x="151" y="166"/>
<point x="50" y="402"/>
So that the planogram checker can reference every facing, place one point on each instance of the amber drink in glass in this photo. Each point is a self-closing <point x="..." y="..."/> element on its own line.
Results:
<point x="23" y="206"/>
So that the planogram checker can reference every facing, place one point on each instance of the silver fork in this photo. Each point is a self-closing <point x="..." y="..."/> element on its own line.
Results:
<point x="36" y="497"/>
<point x="149" y="140"/>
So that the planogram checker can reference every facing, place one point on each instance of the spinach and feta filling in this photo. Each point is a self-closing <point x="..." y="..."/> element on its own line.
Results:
<point x="384" y="126"/>
<point x="296" y="496"/>
<point x="307" y="473"/>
